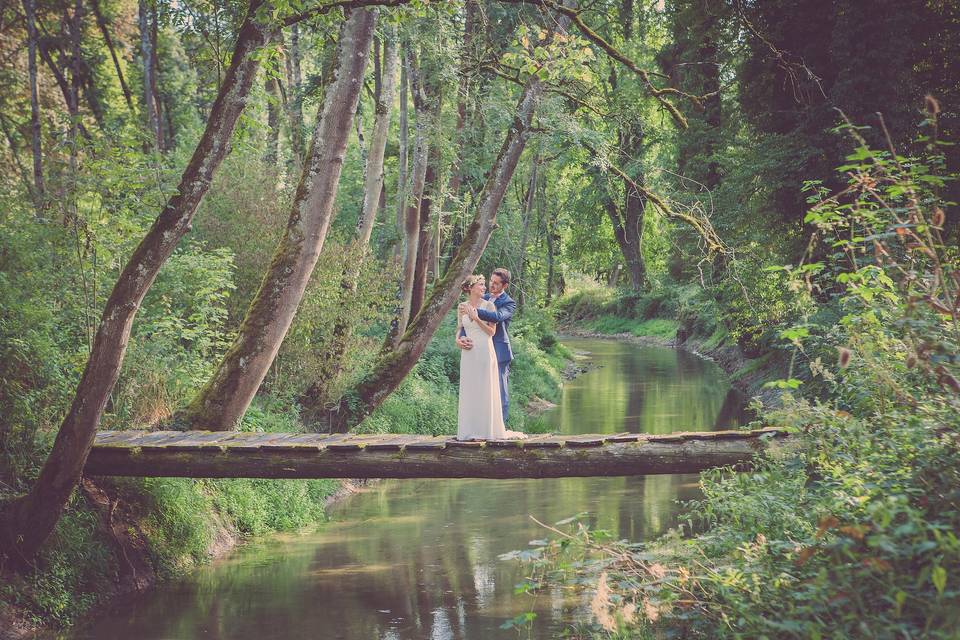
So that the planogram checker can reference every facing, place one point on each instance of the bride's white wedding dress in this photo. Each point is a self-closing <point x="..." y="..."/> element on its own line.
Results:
<point x="480" y="415"/>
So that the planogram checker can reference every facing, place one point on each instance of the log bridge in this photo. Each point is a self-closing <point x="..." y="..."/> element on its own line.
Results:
<point x="218" y="454"/>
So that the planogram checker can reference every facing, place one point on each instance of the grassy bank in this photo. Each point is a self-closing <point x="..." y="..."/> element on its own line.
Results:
<point x="169" y="525"/>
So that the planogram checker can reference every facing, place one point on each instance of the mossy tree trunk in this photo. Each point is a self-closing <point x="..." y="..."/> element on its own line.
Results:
<point x="331" y="361"/>
<point x="226" y="396"/>
<point x="26" y="522"/>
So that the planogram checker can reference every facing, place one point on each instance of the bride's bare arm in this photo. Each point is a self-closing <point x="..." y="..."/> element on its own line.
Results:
<point x="489" y="328"/>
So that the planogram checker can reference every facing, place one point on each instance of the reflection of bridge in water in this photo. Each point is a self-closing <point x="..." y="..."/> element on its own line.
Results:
<point x="219" y="454"/>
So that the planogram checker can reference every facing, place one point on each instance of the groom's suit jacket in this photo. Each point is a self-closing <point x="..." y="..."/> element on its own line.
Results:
<point x="501" y="339"/>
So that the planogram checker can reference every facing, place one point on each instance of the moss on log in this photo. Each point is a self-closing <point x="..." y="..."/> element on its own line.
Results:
<point x="258" y="455"/>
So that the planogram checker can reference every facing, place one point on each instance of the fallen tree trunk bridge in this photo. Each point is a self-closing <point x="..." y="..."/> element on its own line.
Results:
<point x="218" y="454"/>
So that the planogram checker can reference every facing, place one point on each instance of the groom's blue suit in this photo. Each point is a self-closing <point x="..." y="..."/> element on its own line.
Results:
<point x="505" y="307"/>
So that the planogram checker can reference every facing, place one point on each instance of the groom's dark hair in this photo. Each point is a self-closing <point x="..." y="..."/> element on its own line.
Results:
<point x="503" y="274"/>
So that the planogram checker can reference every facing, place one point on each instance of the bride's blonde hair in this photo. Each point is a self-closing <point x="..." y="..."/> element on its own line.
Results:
<point x="467" y="284"/>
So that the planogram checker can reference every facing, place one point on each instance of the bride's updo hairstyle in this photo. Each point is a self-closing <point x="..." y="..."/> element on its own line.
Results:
<point x="467" y="284"/>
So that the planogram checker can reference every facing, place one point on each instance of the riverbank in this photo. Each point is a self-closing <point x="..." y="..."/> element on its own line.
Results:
<point x="121" y="537"/>
<point x="680" y="317"/>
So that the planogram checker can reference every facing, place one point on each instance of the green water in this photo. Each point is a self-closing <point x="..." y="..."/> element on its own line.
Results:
<point x="419" y="558"/>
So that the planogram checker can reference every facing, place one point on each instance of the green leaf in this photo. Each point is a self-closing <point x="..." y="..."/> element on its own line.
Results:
<point x="939" y="577"/>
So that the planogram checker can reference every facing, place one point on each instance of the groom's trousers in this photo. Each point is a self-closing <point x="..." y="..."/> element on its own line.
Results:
<point x="504" y="388"/>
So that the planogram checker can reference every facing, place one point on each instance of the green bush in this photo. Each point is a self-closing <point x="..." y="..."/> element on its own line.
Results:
<point x="852" y="531"/>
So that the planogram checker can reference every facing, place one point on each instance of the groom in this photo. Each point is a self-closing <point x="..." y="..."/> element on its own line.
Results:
<point x="505" y="306"/>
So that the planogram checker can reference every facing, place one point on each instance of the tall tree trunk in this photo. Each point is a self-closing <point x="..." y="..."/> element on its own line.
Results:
<point x="26" y="522"/>
<point x="273" y="120"/>
<point x="162" y="139"/>
<point x="295" y="100"/>
<point x="331" y="361"/>
<point x="170" y="135"/>
<point x="425" y="233"/>
<point x="521" y="284"/>
<point x="628" y="220"/>
<point x="373" y="171"/>
<point x="395" y="364"/>
<point x="411" y="220"/>
<point x="228" y="393"/>
<point x="29" y="8"/>
<point x="553" y="242"/>
<point x="431" y="85"/>
<point x="632" y="247"/>
<point x="708" y="51"/>
<point x="149" y="84"/>
<point x="402" y="159"/>
<point x="628" y="230"/>
<point x="108" y="39"/>
<point x="76" y="81"/>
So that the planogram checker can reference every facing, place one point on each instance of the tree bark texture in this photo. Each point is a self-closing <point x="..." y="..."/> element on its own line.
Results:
<point x="395" y="364"/>
<point x="26" y="522"/>
<point x="255" y="455"/>
<point x="226" y="396"/>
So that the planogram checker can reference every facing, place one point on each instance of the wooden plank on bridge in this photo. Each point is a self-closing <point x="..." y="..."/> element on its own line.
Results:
<point x="428" y="443"/>
<point x="584" y="441"/>
<point x="542" y="442"/>
<point x="391" y="442"/>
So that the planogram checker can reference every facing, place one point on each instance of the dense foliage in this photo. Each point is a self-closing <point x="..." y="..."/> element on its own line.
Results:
<point x="678" y="181"/>
<point x="852" y="532"/>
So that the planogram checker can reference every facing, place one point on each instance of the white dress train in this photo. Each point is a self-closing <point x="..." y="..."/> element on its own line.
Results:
<point x="480" y="415"/>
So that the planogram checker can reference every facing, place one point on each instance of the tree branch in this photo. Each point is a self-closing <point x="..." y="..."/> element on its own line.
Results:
<point x="327" y="7"/>
<point x="658" y="93"/>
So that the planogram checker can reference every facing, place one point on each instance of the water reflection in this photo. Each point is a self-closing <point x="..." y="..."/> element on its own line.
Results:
<point x="419" y="559"/>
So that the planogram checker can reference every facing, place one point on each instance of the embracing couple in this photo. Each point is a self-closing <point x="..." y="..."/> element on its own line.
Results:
<point x="482" y="323"/>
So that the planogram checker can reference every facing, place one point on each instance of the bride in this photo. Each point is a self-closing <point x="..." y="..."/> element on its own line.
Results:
<point x="480" y="414"/>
